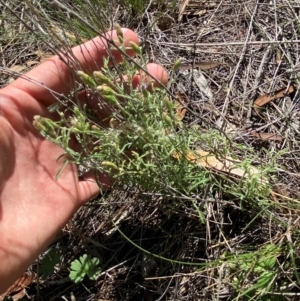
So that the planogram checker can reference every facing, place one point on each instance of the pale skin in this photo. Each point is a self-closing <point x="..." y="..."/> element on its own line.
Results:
<point x="34" y="206"/>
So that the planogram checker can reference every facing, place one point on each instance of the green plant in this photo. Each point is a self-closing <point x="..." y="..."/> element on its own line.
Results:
<point x="253" y="274"/>
<point x="85" y="266"/>
<point x="145" y="143"/>
<point x="48" y="263"/>
<point x="141" y="6"/>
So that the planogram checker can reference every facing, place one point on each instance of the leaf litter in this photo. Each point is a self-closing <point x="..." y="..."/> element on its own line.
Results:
<point x="18" y="290"/>
<point x="264" y="99"/>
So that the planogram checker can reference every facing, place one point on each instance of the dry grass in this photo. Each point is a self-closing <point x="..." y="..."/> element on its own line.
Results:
<point x="155" y="247"/>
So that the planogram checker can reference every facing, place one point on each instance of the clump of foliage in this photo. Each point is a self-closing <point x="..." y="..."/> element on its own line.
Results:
<point x="260" y="266"/>
<point x="145" y="143"/>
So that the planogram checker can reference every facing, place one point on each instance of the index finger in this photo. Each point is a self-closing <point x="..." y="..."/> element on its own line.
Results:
<point x="56" y="75"/>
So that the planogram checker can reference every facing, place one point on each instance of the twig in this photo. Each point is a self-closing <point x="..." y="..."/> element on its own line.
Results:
<point x="258" y="77"/>
<point x="221" y="121"/>
<point x="73" y="13"/>
<point x="232" y="43"/>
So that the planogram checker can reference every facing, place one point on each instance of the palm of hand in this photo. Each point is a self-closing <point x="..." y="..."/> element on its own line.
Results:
<point x="34" y="206"/>
<point x="29" y="163"/>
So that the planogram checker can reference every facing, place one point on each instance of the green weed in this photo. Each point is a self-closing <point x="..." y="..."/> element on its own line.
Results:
<point x="145" y="143"/>
<point x="85" y="266"/>
<point x="48" y="263"/>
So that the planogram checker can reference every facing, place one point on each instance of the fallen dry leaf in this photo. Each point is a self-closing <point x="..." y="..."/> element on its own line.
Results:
<point x="31" y="63"/>
<point x="18" y="68"/>
<point x="17" y="290"/>
<point x="202" y="66"/>
<point x="225" y="165"/>
<point x="180" y="106"/>
<point x="63" y="34"/>
<point x="202" y="83"/>
<point x="278" y="56"/>
<point x="43" y="55"/>
<point x="182" y="5"/>
<point x="266" y="136"/>
<point x="264" y="99"/>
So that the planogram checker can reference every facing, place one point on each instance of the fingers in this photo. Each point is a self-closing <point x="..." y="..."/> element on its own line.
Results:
<point x="57" y="76"/>
<point x="147" y="79"/>
<point x="89" y="185"/>
<point x="156" y="76"/>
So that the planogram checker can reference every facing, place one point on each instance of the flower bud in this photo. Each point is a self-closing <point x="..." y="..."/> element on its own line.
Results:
<point x="108" y="94"/>
<point x="78" y="125"/>
<point x="177" y="64"/>
<point x="135" y="154"/>
<point x="168" y="104"/>
<point x="45" y="125"/>
<point x="119" y="33"/>
<point x="106" y="90"/>
<point x="77" y="112"/>
<point x="111" y="99"/>
<point x="100" y="78"/>
<point x="109" y="164"/>
<point x="88" y="80"/>
<point x="95" y="127"/>
<point x="137" y="49"/>
<point x="37" y="123"/>
<point x="167" y="119"/>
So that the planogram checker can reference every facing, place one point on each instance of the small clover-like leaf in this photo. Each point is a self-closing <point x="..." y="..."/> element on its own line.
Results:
<point x="48" y="263"/>
<point x="94" y="269"/>
<point x="84" y="266"/>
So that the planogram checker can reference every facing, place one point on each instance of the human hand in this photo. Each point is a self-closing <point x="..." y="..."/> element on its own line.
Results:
<point x="34" y="206"/>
